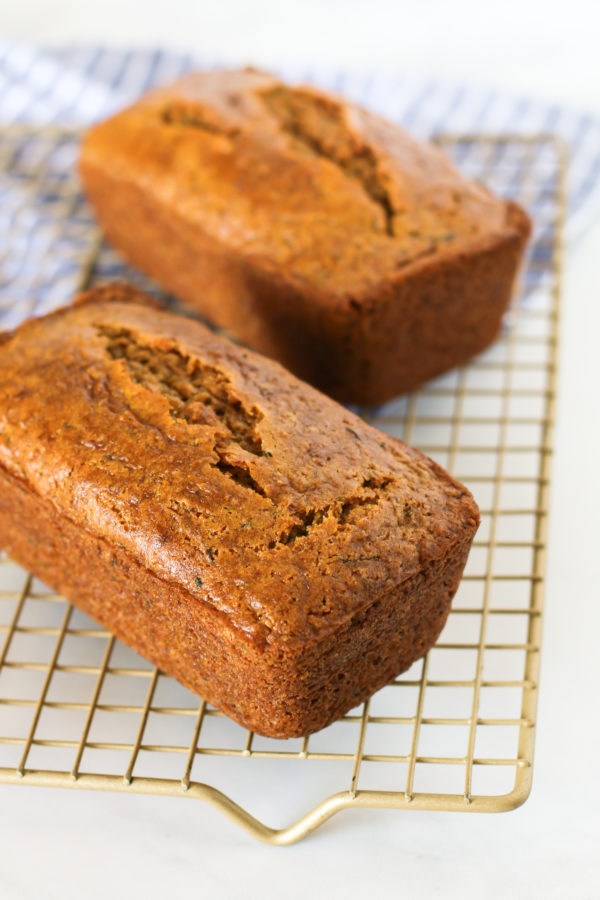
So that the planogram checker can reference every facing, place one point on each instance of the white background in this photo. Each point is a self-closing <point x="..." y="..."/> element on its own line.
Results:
<point x="58" y="844"/>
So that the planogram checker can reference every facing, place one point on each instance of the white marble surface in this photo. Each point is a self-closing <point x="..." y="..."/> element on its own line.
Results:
<point x="59" y="844"/>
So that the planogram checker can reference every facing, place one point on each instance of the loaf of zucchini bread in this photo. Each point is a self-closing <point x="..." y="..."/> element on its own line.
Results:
<point x="310" y="229"/>
<point x="242" y="531"/>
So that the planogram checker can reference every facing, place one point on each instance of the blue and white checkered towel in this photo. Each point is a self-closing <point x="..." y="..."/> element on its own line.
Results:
<point x="75" y="86"/>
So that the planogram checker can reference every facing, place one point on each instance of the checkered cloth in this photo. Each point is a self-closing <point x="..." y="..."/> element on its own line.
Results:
<point x="75" y="86"/>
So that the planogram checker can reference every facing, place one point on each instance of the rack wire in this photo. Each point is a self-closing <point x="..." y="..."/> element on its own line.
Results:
<point x="456" y="732"/>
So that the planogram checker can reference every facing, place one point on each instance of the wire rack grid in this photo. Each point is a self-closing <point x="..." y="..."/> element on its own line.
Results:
<point x="456" y="732"/>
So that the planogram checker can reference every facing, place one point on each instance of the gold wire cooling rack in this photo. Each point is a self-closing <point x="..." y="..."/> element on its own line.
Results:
<point x="456" y="732"/>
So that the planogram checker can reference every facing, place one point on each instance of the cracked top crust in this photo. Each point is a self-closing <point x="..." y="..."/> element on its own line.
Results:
<point x="355" y="199"/>
<point x="217" y="469"/>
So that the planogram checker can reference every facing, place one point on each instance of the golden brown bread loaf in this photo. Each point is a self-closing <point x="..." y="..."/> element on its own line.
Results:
<point x="312" y="230"/>
<point x="254" y="539"/>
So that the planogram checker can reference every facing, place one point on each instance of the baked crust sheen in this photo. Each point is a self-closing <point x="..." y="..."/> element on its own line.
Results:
<point x="244" y="532"/>
<point x="312" y="230"/>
